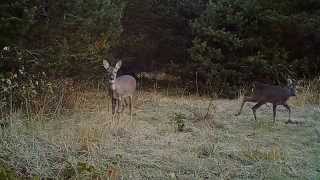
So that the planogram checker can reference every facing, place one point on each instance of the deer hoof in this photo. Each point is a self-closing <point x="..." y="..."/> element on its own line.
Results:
<point x="289" y="122"/>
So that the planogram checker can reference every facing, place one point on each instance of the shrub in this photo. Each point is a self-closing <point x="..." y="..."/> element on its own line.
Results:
<point x="178" y="120"/>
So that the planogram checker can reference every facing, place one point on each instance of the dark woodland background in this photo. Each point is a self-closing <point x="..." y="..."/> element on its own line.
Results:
<point x="223" y="44"/>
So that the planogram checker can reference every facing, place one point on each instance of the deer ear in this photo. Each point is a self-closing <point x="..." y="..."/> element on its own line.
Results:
<point x="106" y="65"/>
<point x="118" y="65"/>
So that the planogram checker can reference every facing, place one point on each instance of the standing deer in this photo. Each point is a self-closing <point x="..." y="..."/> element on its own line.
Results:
<point x="265" y="93"/>
<point x="119" y="87"/>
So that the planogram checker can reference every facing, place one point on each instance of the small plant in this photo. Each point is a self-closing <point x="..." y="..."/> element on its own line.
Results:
<point x="81" y="169"/>
<point x="178" y="120"/>
<point x="6" y="172"/>
<point x="113" y="172"/>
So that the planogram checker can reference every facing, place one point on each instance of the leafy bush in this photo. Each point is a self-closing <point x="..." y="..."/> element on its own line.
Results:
<point x="20" y="83"/>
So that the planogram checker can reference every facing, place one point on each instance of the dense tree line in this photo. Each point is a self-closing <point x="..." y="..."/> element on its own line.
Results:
<point x="240" y="41"/>
<point x="223" y="44"/>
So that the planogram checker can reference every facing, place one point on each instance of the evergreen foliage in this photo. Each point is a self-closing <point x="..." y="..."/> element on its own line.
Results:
<point x="224" y="43"/>
<point x="236" y="42"/>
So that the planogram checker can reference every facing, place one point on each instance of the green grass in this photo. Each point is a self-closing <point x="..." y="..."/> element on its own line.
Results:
<point x="87" y="143"/>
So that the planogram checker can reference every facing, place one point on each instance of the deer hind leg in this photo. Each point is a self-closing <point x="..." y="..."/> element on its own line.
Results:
<point x="255" y="107"/>
<point x="289" y="110"/>
<point x="125" y="102"/>
<point x="131" y="106"/>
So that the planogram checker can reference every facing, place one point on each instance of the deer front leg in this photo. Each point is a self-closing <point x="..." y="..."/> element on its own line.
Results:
<point x="254" y="109"/>
<point x="113" y="105"/>
<point x="120" y="105"/>
<point x="274" y="108"/>
<point x="242" y="104"/>
<point x="245" y="99"/>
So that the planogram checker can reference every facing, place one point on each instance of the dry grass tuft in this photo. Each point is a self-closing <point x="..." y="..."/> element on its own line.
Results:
<point x="308" y="93"/>
<point x="273" y="153"/>
<point x="206" y="117"/>
<point x="206" y="150"/>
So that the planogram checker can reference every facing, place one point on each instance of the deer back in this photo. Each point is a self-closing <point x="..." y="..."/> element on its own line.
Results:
<point x="125" y="85"/>
<point x="270" y="93"/>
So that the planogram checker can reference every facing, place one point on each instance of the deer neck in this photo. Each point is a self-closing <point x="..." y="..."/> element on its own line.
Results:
<point x="292" y="92"/>
<point x="112" y="84"/>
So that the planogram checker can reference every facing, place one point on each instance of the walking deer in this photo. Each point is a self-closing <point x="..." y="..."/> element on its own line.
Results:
<point x="119" y="87"/>
<point x="265" y="93"/>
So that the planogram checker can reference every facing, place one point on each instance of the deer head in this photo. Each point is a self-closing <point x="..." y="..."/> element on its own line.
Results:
<point x="291" y="87"/>
<point x="112" y="71"/>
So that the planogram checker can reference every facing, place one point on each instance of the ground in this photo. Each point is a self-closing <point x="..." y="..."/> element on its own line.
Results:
<point x="169" y="137"/>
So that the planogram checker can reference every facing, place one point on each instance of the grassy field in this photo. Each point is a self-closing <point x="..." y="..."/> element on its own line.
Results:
<point x="171" y="136"/>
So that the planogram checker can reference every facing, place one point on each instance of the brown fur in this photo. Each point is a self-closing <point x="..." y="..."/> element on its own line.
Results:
<point x="265" y="93"/>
